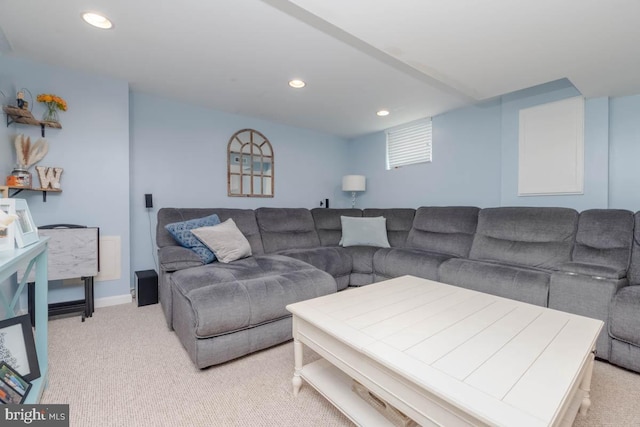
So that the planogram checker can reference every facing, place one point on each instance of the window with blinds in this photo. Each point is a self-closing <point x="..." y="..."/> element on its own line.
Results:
<point x="409" y="144"/>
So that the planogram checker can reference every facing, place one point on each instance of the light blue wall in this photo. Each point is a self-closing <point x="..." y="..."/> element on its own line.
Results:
<point x="178" y="154"/>
<point x="465" y="168"/>
<point x="624" y="153"/>
<point x="116" y="146"/>
<point x="475" y="159"/>
<point x="93" y="149"/>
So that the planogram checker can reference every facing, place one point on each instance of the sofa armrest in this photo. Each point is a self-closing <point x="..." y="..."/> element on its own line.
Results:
<point x="592" y="270"/>
<point x="173" y="258"/>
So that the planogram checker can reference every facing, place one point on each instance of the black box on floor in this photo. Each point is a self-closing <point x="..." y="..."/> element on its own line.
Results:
<point x="146" y="287"/>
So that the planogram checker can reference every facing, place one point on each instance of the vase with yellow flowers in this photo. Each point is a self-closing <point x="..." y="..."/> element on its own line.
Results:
<point x="52" y="104"/>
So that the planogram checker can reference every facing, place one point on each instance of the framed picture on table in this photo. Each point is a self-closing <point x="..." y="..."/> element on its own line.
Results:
<point x="7" y="233"/>
<point x="13" y="386"/>
<point x="26" y="230"/>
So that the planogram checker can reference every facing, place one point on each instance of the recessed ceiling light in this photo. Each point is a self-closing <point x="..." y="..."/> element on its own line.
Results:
<point x="297" y="84"/>
<point x="97" y="20"/>
<point x="382" y="113"/>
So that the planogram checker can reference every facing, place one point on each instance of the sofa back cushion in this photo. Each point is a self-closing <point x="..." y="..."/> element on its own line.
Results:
<point x="447" y="230"/>
<point x="245" y="219"/>
<point x="328" y="225"/>
<point x="604" y="237"/>
<point x="634" y="268"/>
<point x="399" y="223"/>
<point x="286" y="228"/>
<point x="527" y="236"/>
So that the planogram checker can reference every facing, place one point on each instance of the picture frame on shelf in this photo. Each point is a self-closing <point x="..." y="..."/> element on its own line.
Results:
<point x="26" y="230"/>
<point x="7" y="235"/>
<point x="13" y="386"/>
<point x="18" y="348"/>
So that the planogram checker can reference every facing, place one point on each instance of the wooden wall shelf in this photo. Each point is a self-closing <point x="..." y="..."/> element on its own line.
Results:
<point x="24" y="117"/>
<point x="17" y="190"/>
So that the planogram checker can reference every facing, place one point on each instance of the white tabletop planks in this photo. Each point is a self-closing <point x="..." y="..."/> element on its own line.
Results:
<point x="500" y="360"/>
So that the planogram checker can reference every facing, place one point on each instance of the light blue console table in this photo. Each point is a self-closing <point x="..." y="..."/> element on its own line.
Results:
<point x="33" y="256"/>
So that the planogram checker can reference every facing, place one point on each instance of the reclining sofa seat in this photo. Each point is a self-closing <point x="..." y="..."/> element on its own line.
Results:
<point x="292" y="232"/>
<point x="597" y="271"/>
<point x="172" y="257"/>
<point x="514" y="251"/>
<point x="224" y="311"/>
<point x="329" y="228"/>
<point x="624" y="320"/>
<point x="436" y="235"/>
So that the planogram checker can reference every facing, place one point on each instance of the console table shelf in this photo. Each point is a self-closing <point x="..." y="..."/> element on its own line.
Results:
<point x="10" y="262"/>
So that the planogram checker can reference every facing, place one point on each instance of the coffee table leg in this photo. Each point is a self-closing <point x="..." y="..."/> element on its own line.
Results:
<point x="586" y="386"/>
<point x="297" y="355"/>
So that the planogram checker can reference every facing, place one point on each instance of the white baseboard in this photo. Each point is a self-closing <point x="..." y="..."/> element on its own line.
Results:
<point x="116" y="300"/>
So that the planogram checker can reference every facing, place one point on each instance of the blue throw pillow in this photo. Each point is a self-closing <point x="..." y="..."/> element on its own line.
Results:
<point x="181" y="231"/>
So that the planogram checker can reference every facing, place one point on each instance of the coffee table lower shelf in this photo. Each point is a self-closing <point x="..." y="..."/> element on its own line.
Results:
<point x="335" y="386"/>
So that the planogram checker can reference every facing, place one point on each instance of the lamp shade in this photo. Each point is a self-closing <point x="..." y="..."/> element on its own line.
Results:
<point x="354" y="183"/>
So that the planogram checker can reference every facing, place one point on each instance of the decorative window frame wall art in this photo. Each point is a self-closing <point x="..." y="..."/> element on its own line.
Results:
<point x="7" y="235"/>
<point x="17" y="347"/>
<point x="250" y="165"/>
<point x="26" y="230"/>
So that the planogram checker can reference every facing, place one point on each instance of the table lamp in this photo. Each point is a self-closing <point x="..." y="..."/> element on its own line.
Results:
<point x="353" y="183"/>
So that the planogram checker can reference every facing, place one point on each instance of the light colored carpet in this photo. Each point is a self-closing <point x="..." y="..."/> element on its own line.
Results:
<point x="123" y="367"/>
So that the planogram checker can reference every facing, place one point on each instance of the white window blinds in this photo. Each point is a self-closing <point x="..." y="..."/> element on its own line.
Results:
<point x="409" y="144"/>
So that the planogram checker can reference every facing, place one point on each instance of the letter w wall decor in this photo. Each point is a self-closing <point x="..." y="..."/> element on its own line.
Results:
<point x="49" y="177"/>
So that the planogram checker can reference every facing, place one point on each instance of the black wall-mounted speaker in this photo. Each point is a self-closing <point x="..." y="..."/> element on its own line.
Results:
<point x="148" y="201"/>
<point x="146" y="287"/>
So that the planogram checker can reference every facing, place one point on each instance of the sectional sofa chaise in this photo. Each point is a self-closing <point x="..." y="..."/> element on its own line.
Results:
<point x="586" y="263"/>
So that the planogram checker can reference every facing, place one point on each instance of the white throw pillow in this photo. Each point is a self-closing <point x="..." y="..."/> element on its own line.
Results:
<point x="364" y="231"/>
<point x="225" y="240"/>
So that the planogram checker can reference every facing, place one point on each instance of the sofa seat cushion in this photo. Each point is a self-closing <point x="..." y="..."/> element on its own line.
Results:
<point x="334" y="260"/>
<point x="230" y="297"/>
<point x="362" y="258"/>
<point x="518" y="283"/>
<point x="625" y="315"/>
<point x="396" y="262"/>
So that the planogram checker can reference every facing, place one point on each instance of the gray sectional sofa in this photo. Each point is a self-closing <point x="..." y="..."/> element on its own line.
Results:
<point x="585" y="263"/>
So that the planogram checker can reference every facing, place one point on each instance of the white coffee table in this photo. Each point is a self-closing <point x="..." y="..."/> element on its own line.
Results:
<point x="445" y="355"/>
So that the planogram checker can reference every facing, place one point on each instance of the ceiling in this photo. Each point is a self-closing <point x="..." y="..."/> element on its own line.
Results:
<point x="416" y="58"/>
